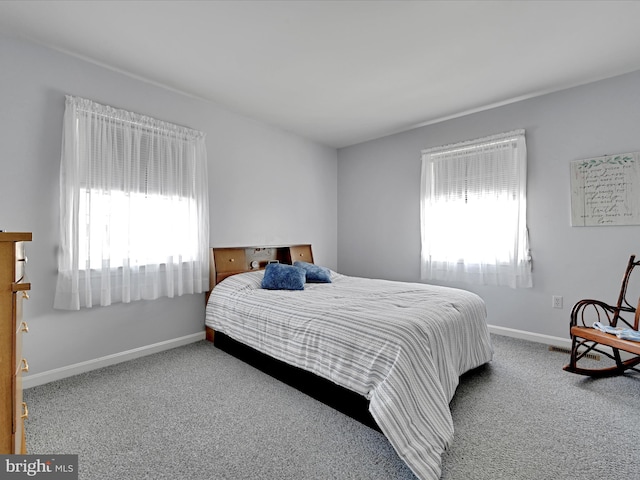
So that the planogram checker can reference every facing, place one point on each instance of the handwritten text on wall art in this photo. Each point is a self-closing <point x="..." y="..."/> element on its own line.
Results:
<point x="605" y="190"/>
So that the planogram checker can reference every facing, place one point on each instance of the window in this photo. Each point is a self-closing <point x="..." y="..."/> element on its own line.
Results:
<point x="141" y="219"/>
<point x="473" y="212"/>
<point x="134" y="208"/>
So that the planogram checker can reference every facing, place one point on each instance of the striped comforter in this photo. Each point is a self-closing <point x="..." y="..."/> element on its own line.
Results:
<point x="401" y="345"/>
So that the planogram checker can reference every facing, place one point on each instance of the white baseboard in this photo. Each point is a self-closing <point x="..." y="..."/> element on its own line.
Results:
<point x="533" y="337"/>
<point x="547" y="339"/>
<point x="93" y="364"/>
<point x="82" y="367"/>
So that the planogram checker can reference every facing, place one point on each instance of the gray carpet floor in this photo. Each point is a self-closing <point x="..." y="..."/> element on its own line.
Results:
<point x="195" y="412"/>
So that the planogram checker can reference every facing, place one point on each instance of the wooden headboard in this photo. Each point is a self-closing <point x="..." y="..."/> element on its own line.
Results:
<point x="224" y="262"/>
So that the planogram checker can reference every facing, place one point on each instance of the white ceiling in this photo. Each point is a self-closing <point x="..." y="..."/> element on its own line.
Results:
<point x="342" y="72"/>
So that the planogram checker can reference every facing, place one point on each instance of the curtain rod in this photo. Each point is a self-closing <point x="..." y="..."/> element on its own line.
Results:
<point x="473" y="147"/>
<point x="165" y="127"/>
<point x="190" y="135"/>
<point x="476" y="143"/>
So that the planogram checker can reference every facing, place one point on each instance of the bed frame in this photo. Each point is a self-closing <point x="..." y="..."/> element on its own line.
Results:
<point x="225" y="262"/>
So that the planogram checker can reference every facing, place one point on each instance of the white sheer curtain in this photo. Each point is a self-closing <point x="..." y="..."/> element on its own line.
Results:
<point x="134" y="208"/>
<point x="473" y="212"/>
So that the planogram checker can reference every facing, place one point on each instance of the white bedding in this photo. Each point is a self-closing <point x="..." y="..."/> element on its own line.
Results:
<point x="402" y="345"/>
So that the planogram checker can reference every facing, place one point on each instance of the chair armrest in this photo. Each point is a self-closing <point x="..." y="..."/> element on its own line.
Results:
<point x="586" y="312"/>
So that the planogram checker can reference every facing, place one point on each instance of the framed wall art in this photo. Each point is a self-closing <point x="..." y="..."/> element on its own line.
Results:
<point x="606" y="190"/>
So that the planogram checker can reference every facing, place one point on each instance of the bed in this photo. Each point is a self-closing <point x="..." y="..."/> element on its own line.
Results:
<point x="402" y="346"/>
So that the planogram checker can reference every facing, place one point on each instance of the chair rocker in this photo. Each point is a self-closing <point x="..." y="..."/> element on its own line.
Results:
<point x="585" y="339"/>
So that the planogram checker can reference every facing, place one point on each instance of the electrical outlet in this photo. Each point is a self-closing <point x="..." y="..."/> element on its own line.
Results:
<point x="556" y="301"/>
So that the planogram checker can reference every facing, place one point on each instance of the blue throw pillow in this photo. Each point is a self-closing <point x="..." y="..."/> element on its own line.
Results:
<point x="315" y="273"/>
<point x="278" y="276"/>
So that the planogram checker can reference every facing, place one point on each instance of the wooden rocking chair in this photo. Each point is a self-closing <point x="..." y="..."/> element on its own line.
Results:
<point x="586" y="339"/>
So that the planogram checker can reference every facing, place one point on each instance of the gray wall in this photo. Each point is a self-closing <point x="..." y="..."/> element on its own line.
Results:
<point x="379" y="187"/>
<point x="267" y="187"/>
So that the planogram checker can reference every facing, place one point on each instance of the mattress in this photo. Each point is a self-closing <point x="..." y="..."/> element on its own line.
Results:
<point x="401" y="345"/>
